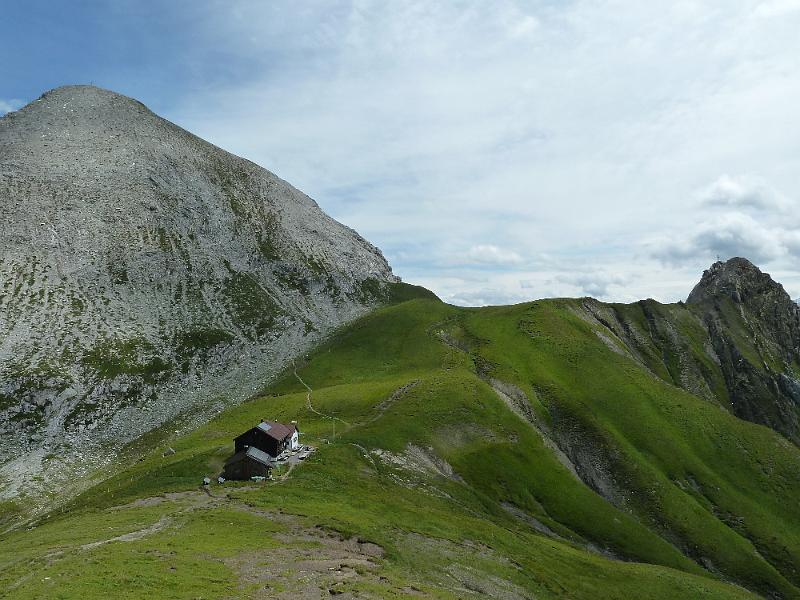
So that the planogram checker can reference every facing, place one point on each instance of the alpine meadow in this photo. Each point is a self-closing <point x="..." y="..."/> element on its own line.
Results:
<point x="213" y="387"/>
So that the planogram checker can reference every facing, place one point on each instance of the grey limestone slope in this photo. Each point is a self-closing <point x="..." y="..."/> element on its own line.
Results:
<point x="147" y="275"/>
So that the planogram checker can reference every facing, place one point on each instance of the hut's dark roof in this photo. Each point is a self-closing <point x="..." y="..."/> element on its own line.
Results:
<point x="259" y="456"/>
<point x="253" y="454"/>
<point x="276" y="430"/>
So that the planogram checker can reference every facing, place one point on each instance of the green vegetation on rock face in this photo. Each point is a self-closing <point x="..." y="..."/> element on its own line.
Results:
<point x="372" y="290"/>
<point x="198" y="340"/>
<point x="266" y="244"/>
<point x="251" y="304"/>
<point x="496" y="452"/>
<point x="7" y="401"/>
<point x="294" y="279"/>
<point x="126" y="357"/>
<point x="9" y="511"/>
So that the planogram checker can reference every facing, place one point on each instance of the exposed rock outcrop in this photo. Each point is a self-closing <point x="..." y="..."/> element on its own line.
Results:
<point x="754" y="327"/>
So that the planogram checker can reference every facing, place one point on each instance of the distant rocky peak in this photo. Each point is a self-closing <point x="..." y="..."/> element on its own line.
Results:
<point x="739" y="280"/>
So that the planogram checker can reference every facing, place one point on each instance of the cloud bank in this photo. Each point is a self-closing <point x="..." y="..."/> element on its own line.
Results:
<point x="744" y="191"/>
<point x="736" y="216"/>
<point x="487" y="254"/>
<point x="496" y="152"/>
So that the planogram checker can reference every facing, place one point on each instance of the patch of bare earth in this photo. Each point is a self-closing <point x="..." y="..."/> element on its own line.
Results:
<point x="193" y="498"/>
<point x="420" y="460"/>
<point x="133" y="535"/>
<point x="312" y="564"/>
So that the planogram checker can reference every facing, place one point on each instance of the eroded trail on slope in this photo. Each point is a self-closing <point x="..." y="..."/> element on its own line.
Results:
<point x="309" y="404"/>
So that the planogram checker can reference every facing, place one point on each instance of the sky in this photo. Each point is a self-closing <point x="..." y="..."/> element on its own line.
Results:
<point x="496" y="151"/>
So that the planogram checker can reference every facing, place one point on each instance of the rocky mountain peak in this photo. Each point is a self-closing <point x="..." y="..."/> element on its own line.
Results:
<point x="761" y="303"/>
<point x="148" y="276"/>
<point x="70" y="103"/>
<point x="66" y="117"/>
<point x="737" y="279"/>
<point x="754" y="329"/>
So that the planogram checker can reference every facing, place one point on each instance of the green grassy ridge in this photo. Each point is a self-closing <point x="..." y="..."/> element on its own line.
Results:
<point x="673" y="511"/>
<point x="659" y="434"/>
<point x="664" y="434"/>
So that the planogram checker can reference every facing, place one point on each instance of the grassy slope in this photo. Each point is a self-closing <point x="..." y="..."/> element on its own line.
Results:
<point x="692" y="477"/>
<point x="713" y="483"/>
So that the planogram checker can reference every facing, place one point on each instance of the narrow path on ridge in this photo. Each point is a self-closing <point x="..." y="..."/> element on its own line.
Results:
<point x="309" y="404"/>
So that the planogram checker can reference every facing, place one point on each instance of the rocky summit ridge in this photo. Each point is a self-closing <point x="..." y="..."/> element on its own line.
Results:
<point x="754" y="328"/>
<point x="734" y="342"/>
<point x="146" y="277"/>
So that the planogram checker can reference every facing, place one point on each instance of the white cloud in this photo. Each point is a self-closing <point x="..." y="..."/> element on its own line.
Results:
<point x="744" y="191"/>
<point x="485" y="297"/>
<point x="580" y="130"/>
<point x="487" y="254"/>
<point x="737" y="216"/>
<point x="776" y="8"/>
<point x="725" y="236"/>
<point x="524" y="26"/>
<point x="597" y="283"/>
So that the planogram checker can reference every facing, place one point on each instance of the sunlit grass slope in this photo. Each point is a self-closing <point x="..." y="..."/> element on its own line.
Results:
<point x="587" y="476"/>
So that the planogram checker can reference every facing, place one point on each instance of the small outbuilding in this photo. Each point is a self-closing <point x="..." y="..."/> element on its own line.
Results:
<point x="248" y="463"/>
<point x="270" y="437"/>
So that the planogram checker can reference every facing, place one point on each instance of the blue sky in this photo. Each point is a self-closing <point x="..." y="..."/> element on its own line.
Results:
<point x="496" y="151"/>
